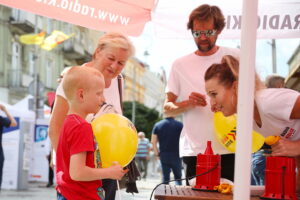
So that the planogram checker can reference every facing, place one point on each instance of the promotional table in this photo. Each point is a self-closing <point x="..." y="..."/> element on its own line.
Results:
<point x="172" y="192"/>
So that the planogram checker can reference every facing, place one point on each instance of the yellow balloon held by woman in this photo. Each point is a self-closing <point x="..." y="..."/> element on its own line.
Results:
<point x="116" y="137"/>
<point x="225" y="130"/>
<point x="270" y="140"/>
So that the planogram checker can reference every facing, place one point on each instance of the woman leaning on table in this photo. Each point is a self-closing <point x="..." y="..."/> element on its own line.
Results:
<point x="276" y="110"/>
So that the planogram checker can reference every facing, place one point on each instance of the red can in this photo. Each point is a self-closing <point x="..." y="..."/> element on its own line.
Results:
<point x="280" y="178"/>
<point x="209" y="170"/>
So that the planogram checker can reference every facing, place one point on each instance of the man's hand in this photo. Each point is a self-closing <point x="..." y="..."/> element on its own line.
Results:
<point x="197" y="99"/>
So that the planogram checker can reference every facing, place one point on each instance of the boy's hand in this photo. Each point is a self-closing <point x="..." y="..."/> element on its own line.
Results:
<point x="117" y="171"/>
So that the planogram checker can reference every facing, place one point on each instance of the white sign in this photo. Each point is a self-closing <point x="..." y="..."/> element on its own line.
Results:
<point x="276" y="18"/>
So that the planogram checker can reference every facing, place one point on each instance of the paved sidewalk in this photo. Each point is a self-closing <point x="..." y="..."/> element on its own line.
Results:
<point x="38" y="191"/>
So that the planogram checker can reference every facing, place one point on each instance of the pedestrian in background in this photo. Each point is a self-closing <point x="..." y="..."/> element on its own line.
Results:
<point x="154" y="163"/>
<point x="7" y="121"/>
<point x="275" y="81"/>
<point x="142" y="154"/>
<point x="166" y="133"/>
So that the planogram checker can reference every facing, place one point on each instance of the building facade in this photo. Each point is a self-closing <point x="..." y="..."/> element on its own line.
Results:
<point x="134" y="88"/>
<point x="21" y="65"/>
<point x="143" y="85"/>
<point x="29" y="69"/>
<point x="154" y="90"/>
<point x="293" y="79"/>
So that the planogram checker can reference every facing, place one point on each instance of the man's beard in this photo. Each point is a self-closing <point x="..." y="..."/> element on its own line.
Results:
<point x="207" y="48"/>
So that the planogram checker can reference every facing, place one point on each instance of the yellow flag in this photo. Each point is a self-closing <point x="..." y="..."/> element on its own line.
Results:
<point x="32" y="38"/>
<point x="56" y="38"/>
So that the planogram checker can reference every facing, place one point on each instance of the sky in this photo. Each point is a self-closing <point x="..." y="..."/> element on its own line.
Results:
<point x="163" y="52"/>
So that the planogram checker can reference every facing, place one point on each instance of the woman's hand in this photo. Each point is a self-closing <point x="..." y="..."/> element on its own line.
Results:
<point x="286" y="148"/>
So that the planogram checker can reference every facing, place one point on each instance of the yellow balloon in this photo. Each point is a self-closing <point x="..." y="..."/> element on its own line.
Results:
<point x="270" y="140"/>
<point x="225" y="130"/>
<point x="116" y="137"/>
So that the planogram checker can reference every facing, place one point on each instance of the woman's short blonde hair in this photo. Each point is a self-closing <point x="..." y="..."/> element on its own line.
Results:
<point x="114" y="39"/>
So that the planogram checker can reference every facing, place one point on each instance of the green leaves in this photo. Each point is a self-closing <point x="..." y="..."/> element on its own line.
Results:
<point x="145" y="117"/>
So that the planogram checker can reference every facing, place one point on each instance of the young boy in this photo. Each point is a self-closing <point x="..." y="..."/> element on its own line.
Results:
<point x="77" y="177"/>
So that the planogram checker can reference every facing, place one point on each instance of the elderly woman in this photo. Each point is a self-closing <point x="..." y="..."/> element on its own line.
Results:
<point x="110" y="57"/>
<point x="276" y="110"/>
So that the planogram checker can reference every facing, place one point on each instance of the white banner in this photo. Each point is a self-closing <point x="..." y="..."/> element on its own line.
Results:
<point x="277" y="18"/>
<point x="41" y="149"/>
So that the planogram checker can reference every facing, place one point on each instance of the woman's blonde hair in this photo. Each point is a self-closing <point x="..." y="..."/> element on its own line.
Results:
<point x="228" y="71"/>
<point x="117" y="40"/>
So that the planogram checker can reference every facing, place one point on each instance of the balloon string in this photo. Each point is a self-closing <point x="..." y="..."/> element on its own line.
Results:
<point x="119" y="191"/>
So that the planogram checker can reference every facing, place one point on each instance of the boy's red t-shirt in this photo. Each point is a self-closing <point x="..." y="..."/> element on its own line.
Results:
<point x="76" y="136"/>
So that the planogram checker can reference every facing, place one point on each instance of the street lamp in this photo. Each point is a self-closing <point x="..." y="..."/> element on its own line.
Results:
<point x="273" y="45"/>
<point x="133" y="95"/>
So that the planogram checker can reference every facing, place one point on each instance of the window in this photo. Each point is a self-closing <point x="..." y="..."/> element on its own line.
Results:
<point x="15" y="13"/>
<point x="15" y="71"/>
<point x="49" y="26"/>
<point x="31" y="63"/>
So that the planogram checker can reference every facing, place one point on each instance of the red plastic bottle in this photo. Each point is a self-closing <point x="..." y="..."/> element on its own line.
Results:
<point x="208" y="162"/>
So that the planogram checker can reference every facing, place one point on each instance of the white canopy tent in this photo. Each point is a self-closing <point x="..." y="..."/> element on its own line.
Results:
<point x="282" y="21"/>
<point x="17" y="148"/>
<point x="245" y="102"/>
<point x="275" y="18"/>
<point x="40" y="143"/>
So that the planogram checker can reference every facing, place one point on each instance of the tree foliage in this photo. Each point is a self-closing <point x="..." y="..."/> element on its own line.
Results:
<point x="145" y="117"/>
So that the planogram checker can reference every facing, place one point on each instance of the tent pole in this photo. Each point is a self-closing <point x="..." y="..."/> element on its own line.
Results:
<point x="245" y="101"/>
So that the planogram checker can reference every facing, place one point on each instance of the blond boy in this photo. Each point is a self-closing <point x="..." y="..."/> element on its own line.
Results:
<point x="77" y="177"/>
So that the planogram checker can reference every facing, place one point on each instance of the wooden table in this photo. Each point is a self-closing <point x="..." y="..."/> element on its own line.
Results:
<point x="171" y="192"/>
